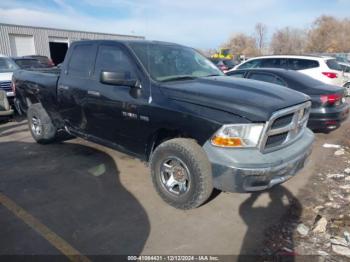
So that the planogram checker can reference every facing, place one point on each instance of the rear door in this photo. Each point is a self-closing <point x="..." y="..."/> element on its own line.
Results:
<point x="75" y="80"/>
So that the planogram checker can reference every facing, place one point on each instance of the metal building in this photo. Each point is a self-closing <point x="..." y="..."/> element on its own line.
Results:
<point x="17" y="40"/>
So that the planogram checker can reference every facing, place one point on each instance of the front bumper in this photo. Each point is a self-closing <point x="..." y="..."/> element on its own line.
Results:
<point x="328" y="118"/>
<point x="245" y="170"/>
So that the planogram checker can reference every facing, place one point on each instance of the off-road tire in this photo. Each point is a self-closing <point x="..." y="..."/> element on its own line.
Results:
<point x="48" y="130"/>
<point x="196" y="160"/>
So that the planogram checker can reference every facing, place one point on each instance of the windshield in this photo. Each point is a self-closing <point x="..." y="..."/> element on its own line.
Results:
<point x="333" y="64"/>
<point x="7" y="65"/>
<point x="172" y="62"/>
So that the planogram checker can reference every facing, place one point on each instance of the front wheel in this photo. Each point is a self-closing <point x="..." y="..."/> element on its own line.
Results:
<point x="40" y="125"/>
<point x="181" y="173"/>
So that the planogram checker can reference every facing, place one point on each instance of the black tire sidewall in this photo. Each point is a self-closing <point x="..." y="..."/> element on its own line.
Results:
<point x="48" y="132"/>
<point x="191" y="198"/>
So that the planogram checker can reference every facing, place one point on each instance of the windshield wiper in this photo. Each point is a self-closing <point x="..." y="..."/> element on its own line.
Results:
<point x="178" y="78"/>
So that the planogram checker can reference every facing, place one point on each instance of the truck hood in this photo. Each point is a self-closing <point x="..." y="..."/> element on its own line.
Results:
<point x="6" y="76"/>
<point x="250" y="99"/>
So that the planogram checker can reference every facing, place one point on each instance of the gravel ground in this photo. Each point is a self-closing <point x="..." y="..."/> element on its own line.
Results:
<point x="318" y="224"/>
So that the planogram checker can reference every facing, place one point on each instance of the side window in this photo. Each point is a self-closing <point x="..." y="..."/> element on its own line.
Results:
<point x="274" y="63"/>
<point x="239" y="74"/>
<point x="250" y="64"/>
<point x="267" y="78"/>
<point x="302" y="64"/>
<point x="81" y="61"/>
<point x="113" y="59"/>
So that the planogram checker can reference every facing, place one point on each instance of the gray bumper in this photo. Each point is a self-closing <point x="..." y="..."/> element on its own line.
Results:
<point x="244" y="170"/>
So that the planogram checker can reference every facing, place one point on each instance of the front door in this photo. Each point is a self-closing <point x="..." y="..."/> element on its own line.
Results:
<point x="113" y="114"/>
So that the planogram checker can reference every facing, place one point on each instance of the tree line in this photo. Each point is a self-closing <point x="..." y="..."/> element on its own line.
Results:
<point x="327" y="34"/>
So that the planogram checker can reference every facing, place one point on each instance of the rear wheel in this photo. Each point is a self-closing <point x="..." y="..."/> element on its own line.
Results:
<point x="181" y="173"/>
<point x="40" y="124"/>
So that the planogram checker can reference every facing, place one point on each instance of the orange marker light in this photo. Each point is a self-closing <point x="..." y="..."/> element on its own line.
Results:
<point x="227" y="141"/>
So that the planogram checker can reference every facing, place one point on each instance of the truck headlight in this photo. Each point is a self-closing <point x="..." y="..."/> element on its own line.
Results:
<point x="238" y="135"/>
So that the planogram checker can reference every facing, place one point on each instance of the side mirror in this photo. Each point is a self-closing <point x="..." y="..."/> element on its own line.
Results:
<point x="118" y="79"/>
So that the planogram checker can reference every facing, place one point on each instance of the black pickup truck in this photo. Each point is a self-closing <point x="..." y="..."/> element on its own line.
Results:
<point x="168" y="105"/>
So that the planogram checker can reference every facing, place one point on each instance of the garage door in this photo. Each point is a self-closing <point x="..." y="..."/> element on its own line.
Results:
<point x="22" y="45"/>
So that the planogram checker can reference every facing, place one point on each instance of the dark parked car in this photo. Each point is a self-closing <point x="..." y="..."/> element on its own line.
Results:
<point x="328" y="108"/>
<point x="42" y="59"/>
<point x="168" y="105"/>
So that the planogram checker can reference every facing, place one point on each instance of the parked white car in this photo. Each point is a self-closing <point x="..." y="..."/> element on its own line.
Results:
<point x="325" y="69"/>
<point x="346" y="70"/>
<point x="7" y="66"/>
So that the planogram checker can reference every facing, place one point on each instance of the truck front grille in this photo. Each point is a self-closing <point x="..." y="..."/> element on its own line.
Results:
<point x="6" y="85"/>
<point x="284" y="127"/>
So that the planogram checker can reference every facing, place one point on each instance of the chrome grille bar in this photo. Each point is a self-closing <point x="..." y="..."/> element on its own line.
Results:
<point x="5" y="85"/>
<point x="294" y="128"/>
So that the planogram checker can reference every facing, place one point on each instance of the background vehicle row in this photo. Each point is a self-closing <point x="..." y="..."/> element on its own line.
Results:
<point x="329" y="107"/>
<point x="324" y="69"/>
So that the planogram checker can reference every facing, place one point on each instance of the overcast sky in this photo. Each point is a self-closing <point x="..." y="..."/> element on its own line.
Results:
<point x="197" y="23"/>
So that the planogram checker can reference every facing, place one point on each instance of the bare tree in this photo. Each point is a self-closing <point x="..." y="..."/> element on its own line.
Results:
<point x="260" y="36"/>
<point x="242" y="44"/>
<point x="326" y="35"/>
<point x="329" y="34"/>
<point x="288" y="41"/>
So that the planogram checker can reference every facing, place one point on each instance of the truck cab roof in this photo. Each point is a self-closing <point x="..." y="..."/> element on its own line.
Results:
<point x="127" y="42"/>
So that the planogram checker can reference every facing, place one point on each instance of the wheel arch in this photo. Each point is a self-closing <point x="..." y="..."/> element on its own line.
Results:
<point x="162" y="135"/>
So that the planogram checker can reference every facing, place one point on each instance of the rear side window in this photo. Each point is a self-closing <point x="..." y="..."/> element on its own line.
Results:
<point x="250" y="64"/>
<point x="302" y="64"/>
<point x="333" y="64"/>
<point x="274" y="63"/>
<point x="269" y="78"/>
<point x="113" y="59"/>
<point x="81" y="61"/>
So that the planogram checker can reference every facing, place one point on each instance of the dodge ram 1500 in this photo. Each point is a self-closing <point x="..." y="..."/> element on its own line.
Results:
<point x="171" y="107"/>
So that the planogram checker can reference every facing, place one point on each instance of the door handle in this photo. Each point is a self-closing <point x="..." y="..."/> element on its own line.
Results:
<point x="93" y="93"/>
<point x="62" y="87"/>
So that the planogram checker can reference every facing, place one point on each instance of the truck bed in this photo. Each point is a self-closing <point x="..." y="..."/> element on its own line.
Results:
<point x="38" y="84"/>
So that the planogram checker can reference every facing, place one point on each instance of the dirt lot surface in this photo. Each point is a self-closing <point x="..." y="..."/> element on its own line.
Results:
<point x="77" y="197"/>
